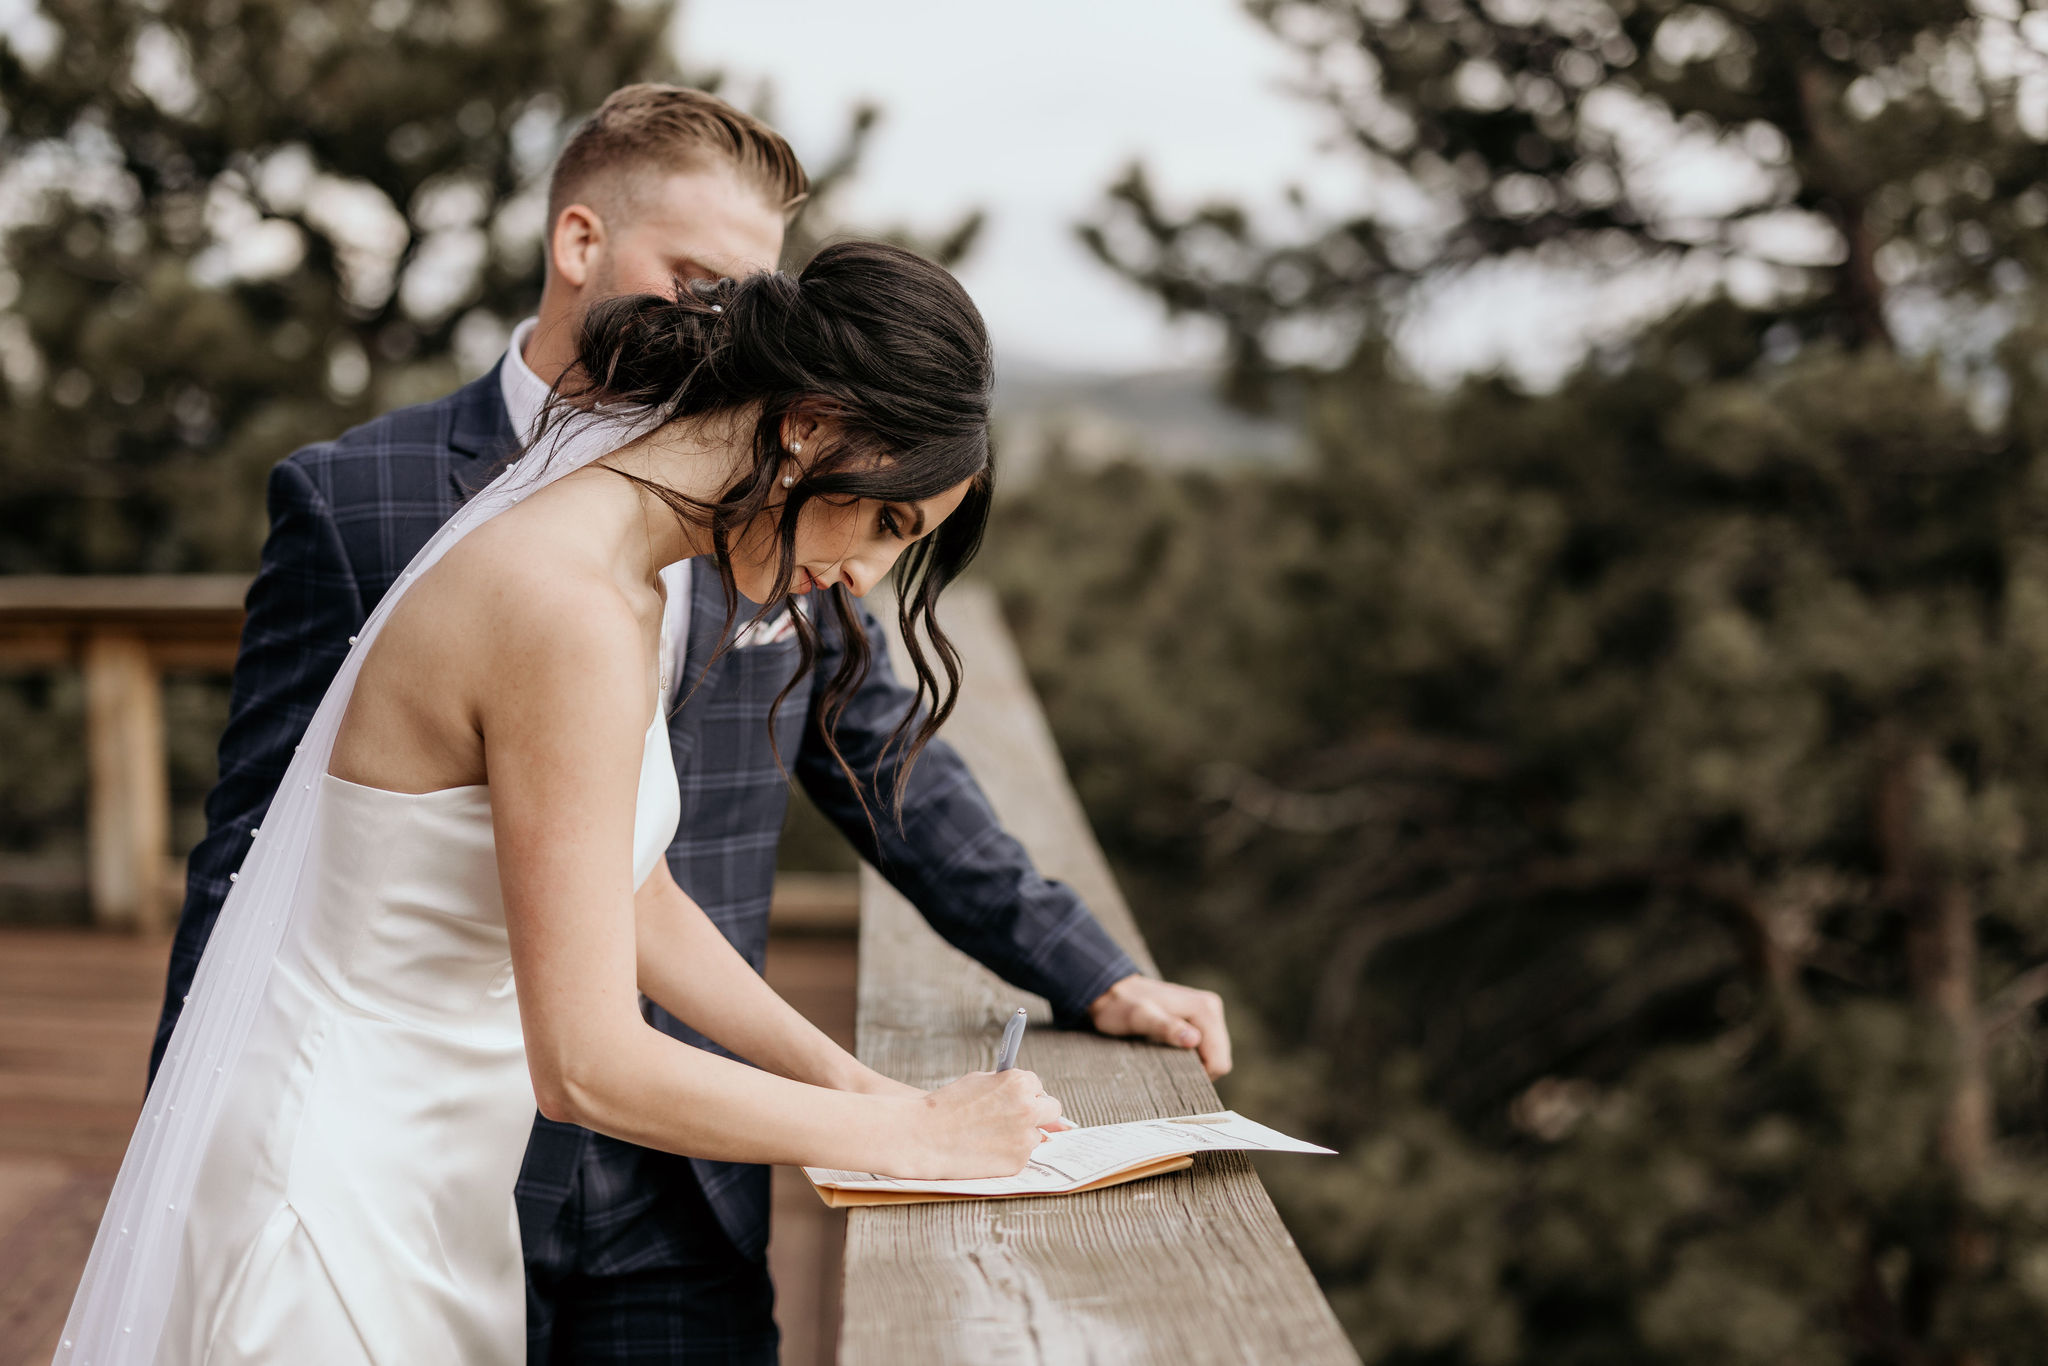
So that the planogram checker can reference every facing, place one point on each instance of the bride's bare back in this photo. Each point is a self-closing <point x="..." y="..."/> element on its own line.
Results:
<point x="463" y="633"/>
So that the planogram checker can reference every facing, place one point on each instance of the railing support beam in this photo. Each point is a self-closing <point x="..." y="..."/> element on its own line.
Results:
<point x="129" y="806"/>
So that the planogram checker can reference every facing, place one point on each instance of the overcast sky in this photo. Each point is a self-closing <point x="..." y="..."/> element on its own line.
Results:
<point x="1029" y="110"/>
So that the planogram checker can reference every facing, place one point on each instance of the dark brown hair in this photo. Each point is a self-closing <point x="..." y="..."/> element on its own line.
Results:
<point x="669" y="128"/>
<point x="886" y="352"/>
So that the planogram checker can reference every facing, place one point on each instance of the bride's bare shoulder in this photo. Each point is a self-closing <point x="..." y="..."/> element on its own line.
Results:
<point x="539" y="610"/>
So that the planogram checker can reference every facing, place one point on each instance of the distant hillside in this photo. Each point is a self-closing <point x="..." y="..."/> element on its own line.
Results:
<point x="1169" y="417"/>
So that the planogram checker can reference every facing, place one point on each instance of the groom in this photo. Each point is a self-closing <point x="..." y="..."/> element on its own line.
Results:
<point x="635" y="1255"/>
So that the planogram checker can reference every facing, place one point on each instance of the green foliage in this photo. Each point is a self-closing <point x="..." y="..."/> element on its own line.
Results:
<point x="1860" y="146"/>
<point x="1520" y="767"/>
<point x="1614" y="813"/>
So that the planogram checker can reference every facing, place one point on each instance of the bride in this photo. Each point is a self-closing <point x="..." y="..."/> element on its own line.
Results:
<point x="459" y="895"/>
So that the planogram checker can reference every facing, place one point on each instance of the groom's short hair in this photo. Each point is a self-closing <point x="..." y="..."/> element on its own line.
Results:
<point x="664" y="129"/>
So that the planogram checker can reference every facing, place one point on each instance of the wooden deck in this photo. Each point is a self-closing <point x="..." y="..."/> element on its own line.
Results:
<point x="77" y="1011"/>
<point x="76" y="1014"/>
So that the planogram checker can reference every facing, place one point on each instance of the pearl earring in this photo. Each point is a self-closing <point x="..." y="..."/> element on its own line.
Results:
<point x="789" y="481"/>
<point x="796" y="448"/>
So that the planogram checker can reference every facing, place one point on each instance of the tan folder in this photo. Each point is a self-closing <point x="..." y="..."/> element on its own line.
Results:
<point x="843" y="1199"/>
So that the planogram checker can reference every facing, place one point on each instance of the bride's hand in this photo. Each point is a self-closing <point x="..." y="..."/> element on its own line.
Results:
<point x="873" y="1083"/>
<point x="985" y="1124"/>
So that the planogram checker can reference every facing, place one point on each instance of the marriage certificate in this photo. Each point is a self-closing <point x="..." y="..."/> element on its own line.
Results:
<point x="1075" y="1160"/>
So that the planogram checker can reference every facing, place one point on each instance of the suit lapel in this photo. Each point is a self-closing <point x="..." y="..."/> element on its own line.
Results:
<point x="707" y="628"/>
<point x="480" y="436"/>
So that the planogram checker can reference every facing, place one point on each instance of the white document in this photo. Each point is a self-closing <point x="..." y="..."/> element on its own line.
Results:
<point x="1073" y="1159"/>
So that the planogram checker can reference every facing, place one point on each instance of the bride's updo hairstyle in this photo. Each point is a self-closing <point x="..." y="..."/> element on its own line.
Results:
<point x="885" y="351"/>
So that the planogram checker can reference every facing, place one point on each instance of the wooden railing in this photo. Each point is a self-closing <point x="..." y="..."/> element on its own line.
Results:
<point x="123" y="633"/>
<point x="1186" y="1268"/>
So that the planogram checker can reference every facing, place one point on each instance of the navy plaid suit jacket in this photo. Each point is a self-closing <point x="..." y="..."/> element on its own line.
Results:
<point x="346" y="517"/>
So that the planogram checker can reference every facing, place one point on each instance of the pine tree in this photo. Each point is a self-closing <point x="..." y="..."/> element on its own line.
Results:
<point x="1615" y="812"/>
<point x="1877" y="149"/>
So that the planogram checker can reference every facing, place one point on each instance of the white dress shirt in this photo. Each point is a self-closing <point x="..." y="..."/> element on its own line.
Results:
<point x="526" y="394"/>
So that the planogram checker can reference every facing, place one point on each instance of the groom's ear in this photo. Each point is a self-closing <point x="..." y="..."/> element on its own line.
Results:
<point x="575" y="244"/>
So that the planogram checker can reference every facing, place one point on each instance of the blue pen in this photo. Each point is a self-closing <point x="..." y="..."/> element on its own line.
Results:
<point x="1013" y="1039"/>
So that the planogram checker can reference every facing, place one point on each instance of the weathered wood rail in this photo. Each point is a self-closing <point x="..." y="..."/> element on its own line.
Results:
<point x="1188" y="1268"/>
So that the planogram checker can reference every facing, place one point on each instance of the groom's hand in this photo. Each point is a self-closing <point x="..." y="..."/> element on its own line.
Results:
<point x="1183" y="1017"/>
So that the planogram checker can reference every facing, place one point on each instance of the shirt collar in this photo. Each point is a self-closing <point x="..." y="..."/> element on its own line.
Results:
<point x="526" y="394"/>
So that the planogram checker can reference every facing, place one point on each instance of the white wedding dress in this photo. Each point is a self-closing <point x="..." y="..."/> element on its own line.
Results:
<point x="355" y="1204"/>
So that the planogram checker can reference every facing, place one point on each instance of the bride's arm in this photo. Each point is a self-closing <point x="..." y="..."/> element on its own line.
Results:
<point x="691" y="970"/>
<point x="563" y="708"/>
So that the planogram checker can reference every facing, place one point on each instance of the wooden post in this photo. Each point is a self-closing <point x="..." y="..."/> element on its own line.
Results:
<point x="124" y="631"/>
<point x="128" y="823"/>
